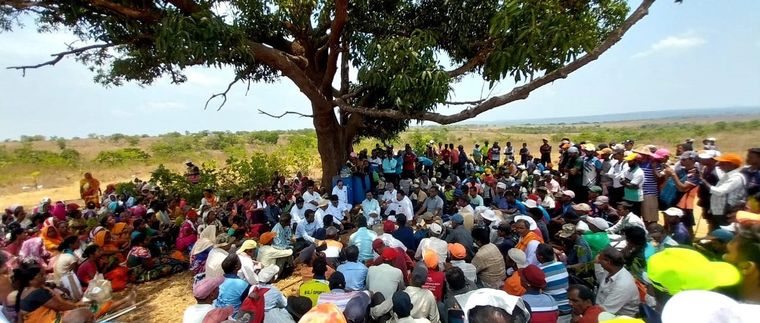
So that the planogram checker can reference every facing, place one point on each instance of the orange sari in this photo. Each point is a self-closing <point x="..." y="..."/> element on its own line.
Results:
<point x="51" y="244"/>
<point x="107" y="247"/>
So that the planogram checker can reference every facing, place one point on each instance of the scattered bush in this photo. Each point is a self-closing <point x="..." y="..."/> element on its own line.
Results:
<point x="121" y="156"/>
<point x="171" y="146"/>
<point x="267" y="137"/>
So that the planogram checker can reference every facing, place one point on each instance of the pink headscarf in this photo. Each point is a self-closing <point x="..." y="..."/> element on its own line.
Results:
<point x="32" y="249"/>
<point x="59" y="211"/>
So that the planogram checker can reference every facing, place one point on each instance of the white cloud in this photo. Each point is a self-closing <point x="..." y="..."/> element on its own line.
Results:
<point x="162" y="106"/>
<point x="203" y="78"/>
<point x="672" y="43"/>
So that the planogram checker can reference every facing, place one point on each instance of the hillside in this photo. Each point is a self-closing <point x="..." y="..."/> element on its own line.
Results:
<point x="35" y="167"/>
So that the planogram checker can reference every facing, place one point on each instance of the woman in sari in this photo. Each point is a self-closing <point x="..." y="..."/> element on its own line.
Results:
<point x="187" y="232"/>
<point x="32" y="250"/>
<point x="53" y="232"/>
<point x="112" y="260"/>
<point x="17" y="237"/>
<point x="143" y="267"/>
<point x="89" y="189"/>
<point x="200" y="251"/>
<point x="59" y="211"/>
<point x="34" y="301"/>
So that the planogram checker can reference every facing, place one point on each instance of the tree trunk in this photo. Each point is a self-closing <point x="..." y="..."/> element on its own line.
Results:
<point x="332" y="144"/>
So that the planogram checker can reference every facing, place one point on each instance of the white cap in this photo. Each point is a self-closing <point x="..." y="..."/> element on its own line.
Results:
<point x="674" y="211"/>
<point x="569" y="193"/>
<point x="698" y="306"/>
<point x="531" y="204"/>
<point x="600" y="223"/>
<point x="501" y="185"/>
<point x="582" y="227"/>
<point x="530" y="220"/>
<point x="435" y="228"/>
<point x="489" y="297"/>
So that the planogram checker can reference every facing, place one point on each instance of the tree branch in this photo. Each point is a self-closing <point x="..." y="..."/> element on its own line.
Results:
<point x="344" y="81"/>
<point x="336" y="30"/>
<point x="474" y="62"/>
<point x="286" y="113"/>
<point x="518" y="93"/>
<point x="186" y="6"/>
<point x="223" y="94"/>
<point x="463" y="102"/>
<point x="58" y="57"/>
<point x="129" y="12"/>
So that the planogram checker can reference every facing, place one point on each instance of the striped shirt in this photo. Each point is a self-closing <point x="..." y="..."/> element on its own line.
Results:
<point x="543" y="308"/>
<point x="557" y="284"/>
<point x="650" y="179"/>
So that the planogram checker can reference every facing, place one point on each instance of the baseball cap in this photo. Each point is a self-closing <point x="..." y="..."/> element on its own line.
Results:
<point x="572" y="150"/>
<point x="569" y="193"/>
<point x="700" y="306"/>
<point x="519" y="257"/>
<point x="389" y="226"/>
<point x="674" y="211"/>
<point x="606" y="151"/>
<point x="568" y="229"/>
<point x="389" y="254"/>
<point x="582" y="227"/>
<point x="531" y="204"/>
<point x="582" y="207"/>
<point x="457" y="251"/>
<point x="708" y="154"/>
<point x="678" y="269"/>
<point x="599" y="223"/>
<point x="457" y="218"/>
<point x="436" y="228"/>
<point x="628" y="141"/>
<point x="489" y="297"/>
<point x="247" y="245"/>
<point x="427" y="216"/>
<point x="501" y="185"/>
<point x="596" y="189"/>
<point x="689" y="155"/>
<point x="730" y="158"/>
<point x="430" y="258"/>
<point x="600" y="200"/>
<point x="534" y="276"/>
<point x="631" y="156"/>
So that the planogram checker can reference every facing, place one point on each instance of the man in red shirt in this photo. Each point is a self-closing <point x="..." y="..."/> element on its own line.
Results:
<point x="410" y="160"/>
<point x="582" y="301"/>
<point x="402" y="260"/>
<point x="436" y="280"/>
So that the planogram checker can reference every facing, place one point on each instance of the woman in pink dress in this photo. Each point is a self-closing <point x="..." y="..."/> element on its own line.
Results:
<point x="187" y="232"/>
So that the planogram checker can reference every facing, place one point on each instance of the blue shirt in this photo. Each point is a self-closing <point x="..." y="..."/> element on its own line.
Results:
<point x="425" y="161"/>
<point x="681" y="234"/>
<point x="370" y="205"/>
<point x="355" y="274"/>
<point x="362" y="239"/>
<point x="231" y="292"/>
<point x="406" y="236"/>
<point x="389" y="165"/>
<point x="282" y="239"/>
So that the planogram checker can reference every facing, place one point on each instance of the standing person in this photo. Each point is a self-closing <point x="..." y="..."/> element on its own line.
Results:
<point x="605" y="181"/>
<point x="686" y="180"/>
<point x="477" y="155"/>
<point x="617" y="166"/>
<point x="524" y="154"/>
<point x="709" y="174"/>
<point x="633" y="180"/>
<point x="89" y="189"/>
<point x="729" y="194"/>
<point x="649" y="188"/>
<point x="410" y="160"/>
<point x="546" y="151"/>
<point x="494" y="154"/>
<point x="389" y="167"/>
<point x="509" y="152"/>
<point x="574" y="170"/>
<point x="752" y="174"/>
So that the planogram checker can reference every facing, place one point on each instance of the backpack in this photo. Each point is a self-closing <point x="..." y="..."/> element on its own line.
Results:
<point x="252" y="309"/>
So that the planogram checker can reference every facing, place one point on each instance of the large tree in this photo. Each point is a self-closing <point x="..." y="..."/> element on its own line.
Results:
<point x="408" y="53"/>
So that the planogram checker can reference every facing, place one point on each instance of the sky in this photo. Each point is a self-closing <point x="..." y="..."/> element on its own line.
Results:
<point x="699" y="54"/>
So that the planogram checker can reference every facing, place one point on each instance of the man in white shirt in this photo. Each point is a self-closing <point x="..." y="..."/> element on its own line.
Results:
<point x="729" y="193"/>
<point x="617" y="166"/>
<point x="617" y="292"/>
<point x="342" y="192"/>
<point x="297" y="211"/>
<point x="627" y="219"/>
<point x="389" y="198"/>
<point x="306" y="229"/>
<point x="205" y="292"/>
<point x="336" y="209"/>
<point x="547" y="200"/>
<point x="369" y="205"/>
<point x="310" y="197"/>
<point x="321" y="211"/>
<point x="403" y="205"/>
<point x="632" y="179"/>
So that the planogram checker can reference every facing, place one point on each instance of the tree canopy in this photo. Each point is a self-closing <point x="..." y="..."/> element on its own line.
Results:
<point x="407" y="53"/>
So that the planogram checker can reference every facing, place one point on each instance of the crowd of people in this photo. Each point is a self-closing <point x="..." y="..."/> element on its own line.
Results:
<point x="581" y="233"/>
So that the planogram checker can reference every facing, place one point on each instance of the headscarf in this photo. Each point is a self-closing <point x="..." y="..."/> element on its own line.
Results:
<point x="100" y="238"/>
<point x="95" y="231"/>
<point x="51" y="244"/>
<point x="59" y="211"/>
<point x="31" y="249"/>
<point x="326" y="312"/>
<point x="205" y="240"/>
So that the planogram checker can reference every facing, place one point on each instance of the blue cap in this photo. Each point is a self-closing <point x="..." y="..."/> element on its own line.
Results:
<point x="723" y="235"/>
<point x="457" y="218"/>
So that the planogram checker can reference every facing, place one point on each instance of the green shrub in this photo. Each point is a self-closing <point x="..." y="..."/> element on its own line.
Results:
<point x="121" y="156"/>
<point x="25" y="138"/>
<point x="27" y="155"/>
<point x="266" y="137"/>
<point x="172" y="146"/>
<point x="133" y="140"/>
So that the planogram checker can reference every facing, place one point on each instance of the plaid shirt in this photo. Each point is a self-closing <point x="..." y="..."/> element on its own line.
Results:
<point x="729" y="191"/>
